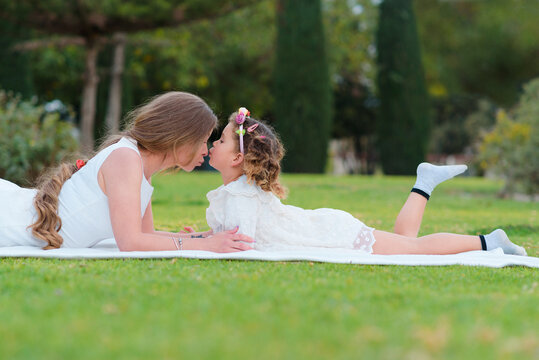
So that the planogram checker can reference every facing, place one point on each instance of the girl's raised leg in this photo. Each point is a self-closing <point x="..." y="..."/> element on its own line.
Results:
<point x="411" y="215"/>
<point x="428" y="177"/>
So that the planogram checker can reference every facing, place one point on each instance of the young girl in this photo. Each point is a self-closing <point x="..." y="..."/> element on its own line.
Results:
<point x="248" y="155"/>
<point x="109" y="196"/>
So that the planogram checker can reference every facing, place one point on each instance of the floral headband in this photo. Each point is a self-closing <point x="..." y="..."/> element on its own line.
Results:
<point x="243" y="113"/>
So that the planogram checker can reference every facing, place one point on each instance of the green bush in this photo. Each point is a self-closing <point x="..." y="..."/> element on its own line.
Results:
<point x="511" y="149"/>
<point x="459" y="121"/>
<point x="28" y="145"/>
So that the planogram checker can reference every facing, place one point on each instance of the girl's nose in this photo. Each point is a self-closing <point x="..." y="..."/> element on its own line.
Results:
<point x="204" y="151"/>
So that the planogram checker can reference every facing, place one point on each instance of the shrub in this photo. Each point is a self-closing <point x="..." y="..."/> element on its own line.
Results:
<point x="29" y="144"/>
<point x="459" y="122"/>
<point x="511" y="149"/>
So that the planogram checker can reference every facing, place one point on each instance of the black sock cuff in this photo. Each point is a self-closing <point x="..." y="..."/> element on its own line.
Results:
<point x="421" y="192"/>
<point x="483" y="242"/>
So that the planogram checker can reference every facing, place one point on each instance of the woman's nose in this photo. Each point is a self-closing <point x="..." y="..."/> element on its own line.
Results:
<point x="204" y="150"/>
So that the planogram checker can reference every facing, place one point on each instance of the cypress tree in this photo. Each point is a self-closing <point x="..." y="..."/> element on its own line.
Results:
<point x="403" y="126"/>
<point x="302" y="89"/>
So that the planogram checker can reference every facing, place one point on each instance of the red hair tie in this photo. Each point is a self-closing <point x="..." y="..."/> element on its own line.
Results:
<point x="80" y="163"/>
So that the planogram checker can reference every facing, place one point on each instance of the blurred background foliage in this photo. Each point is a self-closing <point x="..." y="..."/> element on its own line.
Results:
<point x="485" y="48"/>
<point x="31" y="139"/>
<point x="511" y="148"/>
<point x="477" y="56"/>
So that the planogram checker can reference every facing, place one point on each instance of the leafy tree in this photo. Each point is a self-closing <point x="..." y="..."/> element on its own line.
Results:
<point x="97" y="20"/>
<point x="302" y="89"/>
<point x="480" y="48"/>
<point x="351" y="26"/>
<point x="403" y="127"/>
<point x="14" y="65"/>
<point x="219" y="60"/>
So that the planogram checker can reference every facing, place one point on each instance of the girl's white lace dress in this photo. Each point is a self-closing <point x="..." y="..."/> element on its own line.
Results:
<point x="83" y="207"/>
<point x="275" y="226"/>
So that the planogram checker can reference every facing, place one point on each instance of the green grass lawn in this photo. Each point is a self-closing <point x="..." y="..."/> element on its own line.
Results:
<point x="180" y="308"/>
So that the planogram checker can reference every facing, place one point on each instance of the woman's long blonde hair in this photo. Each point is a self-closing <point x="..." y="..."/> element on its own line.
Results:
<point x="162" y="125"/>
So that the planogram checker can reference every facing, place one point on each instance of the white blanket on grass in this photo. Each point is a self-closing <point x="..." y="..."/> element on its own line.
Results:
<point x="108" y="250"/>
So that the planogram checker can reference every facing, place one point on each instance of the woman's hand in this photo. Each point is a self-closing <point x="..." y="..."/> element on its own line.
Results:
<point x="226" y="241"/>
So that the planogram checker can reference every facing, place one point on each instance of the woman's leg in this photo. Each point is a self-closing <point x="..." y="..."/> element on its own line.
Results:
<point x="442" y="243"/>
<point x="428" y="177"/>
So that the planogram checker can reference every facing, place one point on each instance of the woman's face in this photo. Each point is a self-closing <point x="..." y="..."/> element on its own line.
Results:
<point x="224" y="150"/>
<point x="183" y="154"/>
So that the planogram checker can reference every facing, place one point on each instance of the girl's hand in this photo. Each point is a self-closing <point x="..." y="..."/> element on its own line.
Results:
<point x="226" y="241"/>
<point x="188" y="229"/>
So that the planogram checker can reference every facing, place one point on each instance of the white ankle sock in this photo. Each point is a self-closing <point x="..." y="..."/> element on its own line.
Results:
<point x="499" y="239"/>
<point x="428" y="175"/>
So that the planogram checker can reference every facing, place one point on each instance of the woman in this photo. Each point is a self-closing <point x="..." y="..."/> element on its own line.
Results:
<point x="109" y="196"/>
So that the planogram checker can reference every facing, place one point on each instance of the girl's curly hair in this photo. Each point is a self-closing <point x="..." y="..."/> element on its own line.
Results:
<point x="263" y="154"/>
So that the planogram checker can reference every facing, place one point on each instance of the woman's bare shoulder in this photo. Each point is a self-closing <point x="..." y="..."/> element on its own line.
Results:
<point x="121" y="165"/>
<point x="124" y="155"/>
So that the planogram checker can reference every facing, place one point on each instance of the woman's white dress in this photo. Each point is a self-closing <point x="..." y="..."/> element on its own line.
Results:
<point x="83" y="207"/>
<point x="275" y="226"/>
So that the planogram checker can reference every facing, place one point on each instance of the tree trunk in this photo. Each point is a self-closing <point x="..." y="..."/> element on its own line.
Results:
<point x="114" y="110"/>
<point x="89" y="95"/>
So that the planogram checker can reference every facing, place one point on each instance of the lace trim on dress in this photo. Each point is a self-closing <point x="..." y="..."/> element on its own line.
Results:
<point x="365" y="239"/>
<point x="241" y="187"/>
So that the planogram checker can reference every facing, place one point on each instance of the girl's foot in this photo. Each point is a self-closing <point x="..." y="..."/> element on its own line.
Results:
<point x="499" y="239"/>
<point x="429" y="176"/>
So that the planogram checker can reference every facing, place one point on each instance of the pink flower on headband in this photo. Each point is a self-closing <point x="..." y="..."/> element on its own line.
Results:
<point x="242" y="114"/>
<point x="240" y="119"/>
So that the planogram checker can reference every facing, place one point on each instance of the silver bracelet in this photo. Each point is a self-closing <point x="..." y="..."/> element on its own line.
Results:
<point x="175" y="243"/>
<point x="178" y="242"/>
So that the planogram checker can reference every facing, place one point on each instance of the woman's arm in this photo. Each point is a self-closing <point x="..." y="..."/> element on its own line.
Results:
<point x="148" y="227"/>
<point x="147" y="220"/>
<point x="122" y="175"/>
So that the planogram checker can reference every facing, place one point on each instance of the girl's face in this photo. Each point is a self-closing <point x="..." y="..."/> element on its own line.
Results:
<point x="224" y="150"/>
